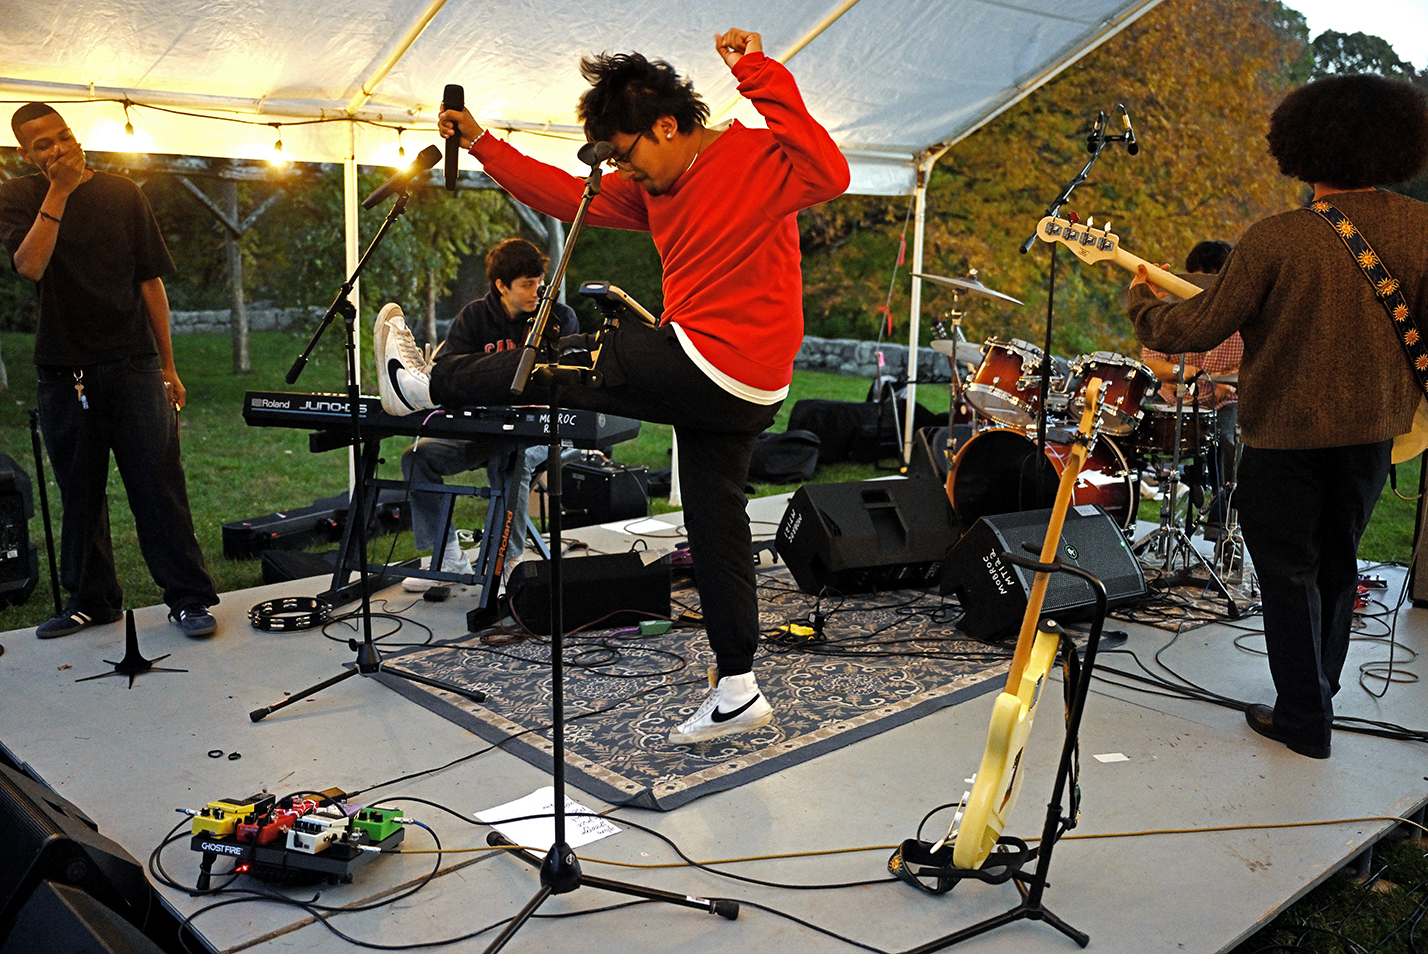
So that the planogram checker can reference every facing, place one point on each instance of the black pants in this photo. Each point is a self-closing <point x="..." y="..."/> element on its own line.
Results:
<point x="1303" y="513"/>
<point x="649" y="377"/>
<point x="130" y="417"/>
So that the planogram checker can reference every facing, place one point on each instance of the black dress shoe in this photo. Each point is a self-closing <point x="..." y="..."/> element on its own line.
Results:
<point x="1261" y="719"/>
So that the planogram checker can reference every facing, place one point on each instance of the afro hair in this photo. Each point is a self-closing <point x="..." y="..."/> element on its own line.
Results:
<point x="1351" y="131"/>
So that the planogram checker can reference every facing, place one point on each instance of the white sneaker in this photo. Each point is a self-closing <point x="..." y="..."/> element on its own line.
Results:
<point x="734" y="704"/>
<point x="418" y="584"/>
<point x="402" y="378"/>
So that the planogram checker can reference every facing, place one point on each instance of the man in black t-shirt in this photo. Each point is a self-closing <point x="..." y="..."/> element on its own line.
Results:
<point x="498" y="322"/>
<point x="107" y="383"/>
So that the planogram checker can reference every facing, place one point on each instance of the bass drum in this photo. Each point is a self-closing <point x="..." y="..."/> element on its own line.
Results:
<point x="996" y="472"/>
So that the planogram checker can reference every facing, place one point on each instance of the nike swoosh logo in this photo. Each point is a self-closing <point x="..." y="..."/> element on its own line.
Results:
<point x="718" y="716"/>
<point x="393" y="366"/>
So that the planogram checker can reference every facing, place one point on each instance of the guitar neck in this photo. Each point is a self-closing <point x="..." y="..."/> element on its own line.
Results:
<point x="1157" y="275"/>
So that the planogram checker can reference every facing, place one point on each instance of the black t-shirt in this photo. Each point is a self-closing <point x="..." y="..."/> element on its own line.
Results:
<point x="483" y="326"/>
<point x="109" y="243"/>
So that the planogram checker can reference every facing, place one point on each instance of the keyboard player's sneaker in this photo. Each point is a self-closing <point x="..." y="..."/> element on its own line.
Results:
<point x="403" y="373"/>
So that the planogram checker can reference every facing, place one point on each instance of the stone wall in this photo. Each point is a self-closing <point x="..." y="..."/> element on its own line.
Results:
<point x="259" y="319"/>
<point x="860" y="358"/>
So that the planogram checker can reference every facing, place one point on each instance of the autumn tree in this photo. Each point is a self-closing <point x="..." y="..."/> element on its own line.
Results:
<point x="1200" y="78"/>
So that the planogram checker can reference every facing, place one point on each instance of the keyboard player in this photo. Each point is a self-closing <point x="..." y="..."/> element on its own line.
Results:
<point x="515" y="269"/>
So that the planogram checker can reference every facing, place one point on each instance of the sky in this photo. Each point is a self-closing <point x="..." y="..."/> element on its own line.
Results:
<point x="1403" y="23"/>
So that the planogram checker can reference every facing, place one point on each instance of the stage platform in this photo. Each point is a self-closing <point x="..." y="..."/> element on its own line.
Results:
<point x="130" y="757"/>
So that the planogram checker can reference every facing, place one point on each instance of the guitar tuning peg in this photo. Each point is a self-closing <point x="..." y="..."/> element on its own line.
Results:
<point x="1090" y="221"/>
<point x="1108" y="227"/>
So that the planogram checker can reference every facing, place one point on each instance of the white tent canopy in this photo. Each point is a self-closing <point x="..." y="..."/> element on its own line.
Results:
<point x="896" y="82"/>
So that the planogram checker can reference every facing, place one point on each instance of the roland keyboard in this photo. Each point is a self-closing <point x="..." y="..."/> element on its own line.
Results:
<point x="331" y="412"/>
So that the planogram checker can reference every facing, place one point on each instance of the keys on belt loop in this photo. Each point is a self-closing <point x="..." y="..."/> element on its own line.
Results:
<point x="79" y="388"/>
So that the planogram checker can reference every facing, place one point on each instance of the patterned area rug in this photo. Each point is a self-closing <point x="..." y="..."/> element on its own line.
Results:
<point x="883" y="660"/>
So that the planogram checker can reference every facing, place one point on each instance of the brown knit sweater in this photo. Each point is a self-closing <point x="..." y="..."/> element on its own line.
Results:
<point x="1322" y="365"/>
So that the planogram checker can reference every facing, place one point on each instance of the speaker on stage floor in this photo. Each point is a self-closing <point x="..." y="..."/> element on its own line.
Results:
<point x="58" y="919"/>
<point x="994" y="593"/>
<point x="618" y="589"/>
<point x="866" y="535"/>
<point x="47" y="838"/>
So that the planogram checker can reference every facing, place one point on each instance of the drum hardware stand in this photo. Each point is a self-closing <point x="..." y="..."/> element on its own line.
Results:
<point x="560" y="870"/>
<point x="369" y="658"/>
<point x="1169" y="541"/>
<point x="44" y="506"/>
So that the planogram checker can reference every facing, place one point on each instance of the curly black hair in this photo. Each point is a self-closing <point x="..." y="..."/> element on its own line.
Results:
<point x="1351" y="131"/>
<point x="628" y="93"/>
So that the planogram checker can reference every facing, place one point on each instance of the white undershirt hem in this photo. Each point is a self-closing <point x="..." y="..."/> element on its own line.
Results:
<point x="737" y="388"/>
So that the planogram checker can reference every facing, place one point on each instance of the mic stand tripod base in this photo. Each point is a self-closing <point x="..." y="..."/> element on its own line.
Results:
<point x="560" y="874"/>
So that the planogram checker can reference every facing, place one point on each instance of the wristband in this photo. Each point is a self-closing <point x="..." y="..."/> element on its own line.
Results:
<point x="46" y="215"/>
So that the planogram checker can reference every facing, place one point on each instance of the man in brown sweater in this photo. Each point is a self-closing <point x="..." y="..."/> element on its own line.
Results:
<point x="1325" y="384"/>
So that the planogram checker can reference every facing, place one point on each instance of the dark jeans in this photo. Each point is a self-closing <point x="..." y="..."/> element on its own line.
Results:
<point x="1303" y="512"/>
<point x="649" y="377"/>
<point x="130" y="417"/>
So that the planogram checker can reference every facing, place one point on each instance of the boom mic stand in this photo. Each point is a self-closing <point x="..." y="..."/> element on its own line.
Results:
<point x="1044" y="479"/>
<point x="369" y="658"/>
<point x="560" y="870"/>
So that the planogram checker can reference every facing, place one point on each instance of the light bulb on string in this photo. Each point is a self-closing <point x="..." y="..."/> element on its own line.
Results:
<point x="278" y="158"/>
<point x="128" y="124"/>
<point x="401" y="150"/>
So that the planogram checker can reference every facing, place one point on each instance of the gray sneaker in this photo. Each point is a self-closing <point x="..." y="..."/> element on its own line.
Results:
<point x="195" y="620"/>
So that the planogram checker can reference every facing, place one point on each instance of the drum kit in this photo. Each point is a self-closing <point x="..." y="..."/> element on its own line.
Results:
<point x="997" y="469"/>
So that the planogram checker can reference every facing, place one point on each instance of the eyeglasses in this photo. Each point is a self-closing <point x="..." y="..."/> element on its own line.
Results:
<point x="615" y="162"/>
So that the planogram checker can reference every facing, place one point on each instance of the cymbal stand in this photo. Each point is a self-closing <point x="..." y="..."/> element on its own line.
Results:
<point x="1230" y="549"/>
<point x="1169" y="542"/>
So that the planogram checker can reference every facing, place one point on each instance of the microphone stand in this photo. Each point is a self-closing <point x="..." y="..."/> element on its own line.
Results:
<point x="560" y="869"/>
<point x="1044" y="479"/>
<point x="369" y="658"/>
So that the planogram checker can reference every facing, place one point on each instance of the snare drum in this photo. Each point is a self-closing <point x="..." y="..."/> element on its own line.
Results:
<point x="1006" y="387"/>
<point x="993" y="474"/>
<point x="1127" y="382"/>
<point x="1155" y="436"/>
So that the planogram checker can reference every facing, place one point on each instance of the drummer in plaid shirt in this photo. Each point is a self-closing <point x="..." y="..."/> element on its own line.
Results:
<point x="1206" y="259"/>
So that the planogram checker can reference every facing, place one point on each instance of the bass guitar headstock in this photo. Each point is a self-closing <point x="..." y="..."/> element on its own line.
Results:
<point x="1088" y="243"/>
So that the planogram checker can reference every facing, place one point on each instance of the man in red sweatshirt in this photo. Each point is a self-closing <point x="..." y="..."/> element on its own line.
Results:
<point x="720" y="204"/>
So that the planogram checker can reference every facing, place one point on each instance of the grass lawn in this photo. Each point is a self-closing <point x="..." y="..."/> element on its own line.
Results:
<point x="235" y="471"/>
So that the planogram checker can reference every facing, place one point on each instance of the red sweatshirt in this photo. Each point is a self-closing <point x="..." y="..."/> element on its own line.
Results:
<point x="725" y="231"/>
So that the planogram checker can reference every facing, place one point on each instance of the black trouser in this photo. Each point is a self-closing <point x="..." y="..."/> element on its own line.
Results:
<point x="1303" y="513"/>
<point x="129" y="415"/>
<point x="649" y="377"/>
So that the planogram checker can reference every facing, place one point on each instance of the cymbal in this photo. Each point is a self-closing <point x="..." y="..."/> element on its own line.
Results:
<point x="967" y="351"/>
<point x="967" y="285"/>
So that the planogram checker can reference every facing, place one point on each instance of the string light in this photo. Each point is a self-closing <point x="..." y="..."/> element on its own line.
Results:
<point x="401" y="150"/>
<point x="278" y="146"/>
<point x="128" y="125"/>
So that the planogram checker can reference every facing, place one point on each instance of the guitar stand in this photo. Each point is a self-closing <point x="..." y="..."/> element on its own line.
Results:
<point x="1007" y="861"/>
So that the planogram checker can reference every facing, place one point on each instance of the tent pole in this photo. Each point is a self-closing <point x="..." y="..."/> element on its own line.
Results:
<point x="924" y="172"/>
<point x="349" y="215"/>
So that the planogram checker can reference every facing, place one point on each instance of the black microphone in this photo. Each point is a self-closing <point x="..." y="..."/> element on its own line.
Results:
<point x="594" y="153"/>
<point x="1132" y="146"/>
<point x="453" y="97"/>
<point x="425" y="159"/>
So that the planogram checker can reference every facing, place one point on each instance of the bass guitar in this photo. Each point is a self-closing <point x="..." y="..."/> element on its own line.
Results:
<point x="999" y="777"/>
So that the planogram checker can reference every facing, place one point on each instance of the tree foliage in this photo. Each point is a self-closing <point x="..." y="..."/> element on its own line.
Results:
<point x="1199" y="78"/>
<point x="1337" y="53"/>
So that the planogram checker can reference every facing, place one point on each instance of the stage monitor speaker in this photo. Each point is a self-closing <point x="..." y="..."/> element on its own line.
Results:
<point x="47" y="838"/>
<point x="994" y="593"/>
<point x="19" y="557"/>
<point x="866" y="535"/>
<point x="58" y="919"/>
<point x="617" y="589"/>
